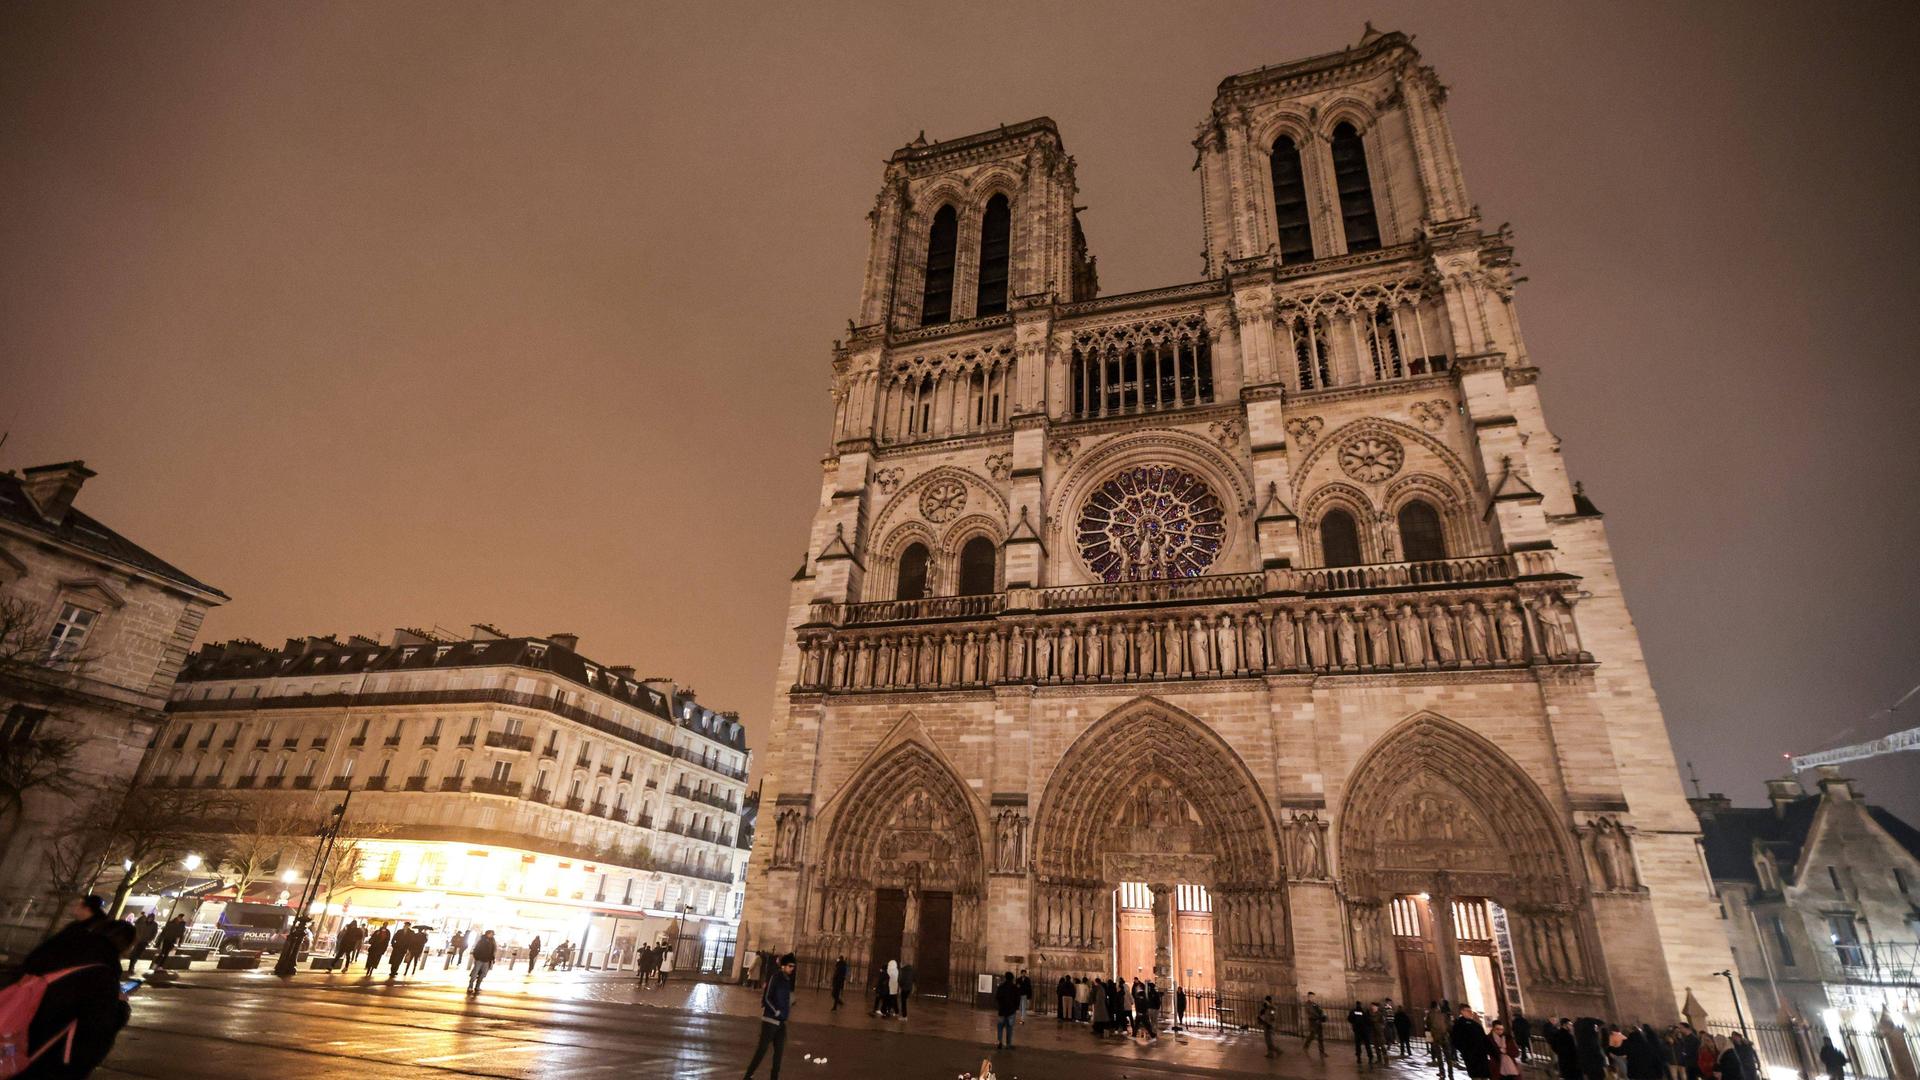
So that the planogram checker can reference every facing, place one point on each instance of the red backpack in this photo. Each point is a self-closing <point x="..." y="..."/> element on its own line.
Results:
<point x="18" y="1004"/>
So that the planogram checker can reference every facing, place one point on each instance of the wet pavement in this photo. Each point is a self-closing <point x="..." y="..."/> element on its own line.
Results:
<point x="249" y="1025"/>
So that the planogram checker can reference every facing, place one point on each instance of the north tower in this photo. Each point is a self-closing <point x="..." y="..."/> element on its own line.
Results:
<point x="1246" y="631"/>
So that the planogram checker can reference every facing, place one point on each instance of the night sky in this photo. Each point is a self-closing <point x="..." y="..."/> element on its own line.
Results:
<point x="380" y="315"/>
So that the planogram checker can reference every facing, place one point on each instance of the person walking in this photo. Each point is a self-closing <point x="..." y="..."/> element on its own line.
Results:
<point x="1097" y="1000"/>
<point x="906" y="988"/>
<point x="1403" y="1027"/>
<point x="1590" y="1045"/>
<point x="839" y="982"/>
<point x="398" y="945"/>
<point x="1180" y="1008"/>
<point x="776" y="1006"/>
<point x="1566" y="1053"/>
<point x="456" y="948"/>
<point x="1006" y="1000"/>
<point x="1362" y="1024"/>
<point x="664" y="969"/>
<point x="1506" y="1051"/>
<point x="1440" y="1038"/>
<point x="377" y="946"/>
<point x="1026" y="994"/>
<point x="893" y="987"/>
<point x="1382" y="1024"/>
<point x="1143" y="1010"/>
<point x="1523" y="1033"/>
<point x="484" y="951"/>
<point x="1062" y="1000"/>
<point x="1470" y="1041"/>
<point x="81" y="1010"/>
<point x="346" y="946"/>
<point x="169" y="940"/>
<point x="1832" y="1060"/>
<point x="1153" y="1006"/>
<point x="1082" y="1001"/>
<point x="1265" y="1019"/>
<point x="1316" y="1024"/>
<point x="145" y="929"/>
<point x="1749" y="1056"/>
<point x="533" y="954"/>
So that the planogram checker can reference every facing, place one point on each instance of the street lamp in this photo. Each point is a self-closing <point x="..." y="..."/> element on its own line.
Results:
<point x="191" y="862"/>
<point x="1738" y="1014"/>
<point x="289" y="961"/>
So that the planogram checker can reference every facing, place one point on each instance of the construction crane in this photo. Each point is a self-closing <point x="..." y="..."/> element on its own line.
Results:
<point x="1886" y="744"/>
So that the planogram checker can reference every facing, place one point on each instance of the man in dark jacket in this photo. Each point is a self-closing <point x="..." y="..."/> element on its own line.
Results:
<point x="1566" y="1054"/>
<point x="839" y="981"/>
<point x="1403" y="1027"/>
<point x="776" y="1004"/>
<point x="1006" y="1001"/>
<point x="86" y="1001"/>
<point x="377" y="947"/>
<point x="906" y="988"/>
<point x="1832" y="1059"/>
<point x="1361" y="1022"/>
<point x="1470" y="1041"/>
<point x="483" y="953"/>
<point x="169" y="940"/>
<point x="1522" y="1029"/>
<point x="1440" y="1038"/>
<point x="1063" y="1000"/>
<point x="1590" y="1046"/>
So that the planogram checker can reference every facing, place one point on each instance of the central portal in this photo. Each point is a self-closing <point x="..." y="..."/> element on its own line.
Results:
<point x="1181" y="938"/>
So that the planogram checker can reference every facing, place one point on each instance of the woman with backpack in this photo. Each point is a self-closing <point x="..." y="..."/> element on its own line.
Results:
<point x="60" y="1017"/>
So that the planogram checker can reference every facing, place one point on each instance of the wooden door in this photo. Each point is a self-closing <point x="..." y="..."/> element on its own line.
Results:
<point x="1136" y="944"/>
<point x="1414" y="951"/>
<point x="889" y="927"/>
<point x="932" y="952"/>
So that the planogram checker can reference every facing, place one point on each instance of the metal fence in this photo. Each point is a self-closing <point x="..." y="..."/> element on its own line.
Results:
<point x="1795" y="1049"/>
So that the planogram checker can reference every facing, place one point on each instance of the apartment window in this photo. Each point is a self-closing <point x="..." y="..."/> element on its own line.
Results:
<point x="23" y="720"/>
<point x="70" y="631"/>
<point x="1900" y="881"/>
<point x="503" y="770"/>
<point x="1846" y="940"/>
<point x="1834" y="876"/>
<point x="1781" y="946"/>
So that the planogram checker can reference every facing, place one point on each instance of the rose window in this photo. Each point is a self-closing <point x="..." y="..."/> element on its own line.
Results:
<point x="1149" y="522"/>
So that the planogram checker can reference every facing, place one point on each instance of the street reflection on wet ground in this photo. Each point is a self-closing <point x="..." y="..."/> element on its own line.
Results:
<point x="245" y="1026"/>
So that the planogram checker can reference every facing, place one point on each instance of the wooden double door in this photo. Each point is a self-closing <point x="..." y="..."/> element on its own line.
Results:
<point x="933" y="938"/>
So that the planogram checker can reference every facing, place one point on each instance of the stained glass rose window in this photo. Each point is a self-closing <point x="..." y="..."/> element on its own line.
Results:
<point x="1150" y="522"/>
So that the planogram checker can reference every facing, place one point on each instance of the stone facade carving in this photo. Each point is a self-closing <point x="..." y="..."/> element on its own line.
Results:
<point x="1431" y="415"/>
<point x="1305" y="430"/>
<point x="1608" y="846"/>
<point x="1063" y="450"/>
<point x="943" y="500"/>
<point x="1000" y="466"/>
<point x="1306" y="835"/>
<point x="887" y="479"/>
<point x="789" y="838"/>
<point x="1371" y="458"/>
<point x="1010" y="841"/>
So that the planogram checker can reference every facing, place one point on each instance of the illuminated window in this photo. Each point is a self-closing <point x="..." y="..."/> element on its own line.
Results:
<point x="1151" y="522"/>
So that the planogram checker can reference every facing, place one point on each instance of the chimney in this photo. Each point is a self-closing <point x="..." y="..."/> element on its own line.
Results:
<point x="362" y="639"/>
<point x="1710" y="804"/>
<point x="569" y="642"/>
<point x="484" y="632"/>
<point x="1836" y="787"/>
<point x="52" y="487"/>
<point x="1782" y="792"/>
<point x="405" y="636"/>
<point x="624" y="671"/>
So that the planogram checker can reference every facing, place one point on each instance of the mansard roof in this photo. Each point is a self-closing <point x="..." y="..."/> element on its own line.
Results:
<point x="82" y="531"/>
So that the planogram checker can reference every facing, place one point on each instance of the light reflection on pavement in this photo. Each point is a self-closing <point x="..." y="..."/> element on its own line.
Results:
<point x="248" y="1026"/>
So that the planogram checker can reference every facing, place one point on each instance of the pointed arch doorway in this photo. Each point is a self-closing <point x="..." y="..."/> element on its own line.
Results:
<point x="1146" y="807"/>
<point x="1457" y="881"/>
<point x="902" y="873"/>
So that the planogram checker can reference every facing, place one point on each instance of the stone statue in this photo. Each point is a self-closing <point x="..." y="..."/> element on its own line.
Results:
<point x="1282" y="654"/>
<point x="929" y="656"/>
<point x="1197" y="647"/>
<point x="1379" y="638"/>
<point x="1412" y="637"/>
<point x="1476" y="634"/>
<point x="1441" y="624"/>
<point x="1314" y="832"/>
<point x="1553" y="636"/>
<point x="863" y="665"/>
<point x="840" y="650"/>
<point x="1043" y="654"/>
<point x="1252" y="642"/>
<point x="1229" y="646"/>
<point x="1069" y="653"/>
<point x="969" y="659"/>
<point x="993" y="657"/>
<point x="903" y="663"/>
<point x="1316" y="641"/>
<point x="1347" y="640"/>
<point x="1513" y="636"/>
<point x="1142" y="651"/>
<point x="1168" y="631"/>
<point x="1096" y="652"/>
<point x="1017" y="654"/>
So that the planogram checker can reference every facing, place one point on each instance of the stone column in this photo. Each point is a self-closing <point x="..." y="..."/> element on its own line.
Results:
<point x="1440" y="909"/>
<point x="1163" y="931"/>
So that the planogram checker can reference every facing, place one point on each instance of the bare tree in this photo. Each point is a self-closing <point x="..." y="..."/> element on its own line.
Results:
<point x="156" y="826"/>
<point x="73" y="855"/>
<point x="264" y="834"/>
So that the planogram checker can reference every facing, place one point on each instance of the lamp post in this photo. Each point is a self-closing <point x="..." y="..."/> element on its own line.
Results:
<point x="289" y="961"/>
<point x="1738" y="1014"/>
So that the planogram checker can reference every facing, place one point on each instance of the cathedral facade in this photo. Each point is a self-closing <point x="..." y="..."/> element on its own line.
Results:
<point x="1247" y="632"/>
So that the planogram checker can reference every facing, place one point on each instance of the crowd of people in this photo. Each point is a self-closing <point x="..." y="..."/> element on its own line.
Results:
<point x="64" y="1005"/>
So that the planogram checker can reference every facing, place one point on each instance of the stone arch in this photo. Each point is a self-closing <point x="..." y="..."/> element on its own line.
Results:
<point x="1437" y="811"/>
<point x="1345" y="497"/>
<point x="905" y="504"/>
<point x="955" y="540"/>
<point x="904" y="821"/>
<point x="1347" y="109"/>
<point x="1228" y="482"/>
<point x="1456" y="517"/>
<point x="1418" y="445"/>
<point x="883" y="562"/>
<point x="1151" y="791"/>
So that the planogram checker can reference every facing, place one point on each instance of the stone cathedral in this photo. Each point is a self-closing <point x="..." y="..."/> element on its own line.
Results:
<point x="1246" y="632"/>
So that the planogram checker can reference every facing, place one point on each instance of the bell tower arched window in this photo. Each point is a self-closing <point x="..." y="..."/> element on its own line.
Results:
<point x="1290" y="203"/>
<point x="977" y="566"/>
<point x="936" y="303"/>
<point x="996" y="245"/>
<point x="1356" y="189"/>
<point x="913" y="573"/>
<point x="1420" y="536"/>
<point x="1339" y="539"/>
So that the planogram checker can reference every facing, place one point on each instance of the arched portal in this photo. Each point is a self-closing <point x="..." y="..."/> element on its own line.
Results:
<point x="902" y="873"/>
<point x="1151" y="795"/>
<point x="1459" y="879"/>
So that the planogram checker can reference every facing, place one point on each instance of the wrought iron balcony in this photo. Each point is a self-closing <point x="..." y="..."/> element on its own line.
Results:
<point x="416" y="783"/>
<point x="376" y="783"/>
<point x="431" y="740"/>
<point x="273" y="781"/>
<point x="303" y="783"/>
<point x="487" y="785"/>
<point x="393" y="740"/>
<point x="506" y="741"/>
<point x="453" y="783"/>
